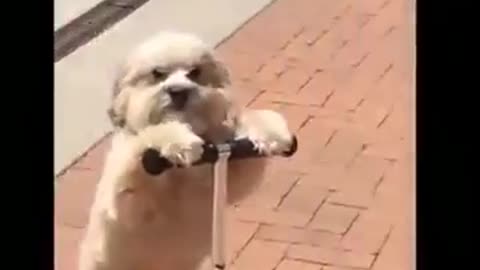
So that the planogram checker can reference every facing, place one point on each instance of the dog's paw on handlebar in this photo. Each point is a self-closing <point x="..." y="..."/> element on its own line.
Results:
<point x="268" y="148"/>
<point x="293" y="148"/>
<point x="155" y="164"/>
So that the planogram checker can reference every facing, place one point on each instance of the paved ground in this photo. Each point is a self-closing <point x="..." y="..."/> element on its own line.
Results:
<point x="342" y="73"/>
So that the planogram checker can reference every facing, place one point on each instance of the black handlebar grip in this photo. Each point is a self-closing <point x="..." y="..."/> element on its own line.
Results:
<point x="154" y="164"/>
<point x="293" y="148"/>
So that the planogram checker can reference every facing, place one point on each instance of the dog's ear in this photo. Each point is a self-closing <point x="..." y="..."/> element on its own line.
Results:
<point x="222" y="74"/>
<point x="219" y="76"/>
<point x="116" y="111"/>
<point x="116" y="118"/>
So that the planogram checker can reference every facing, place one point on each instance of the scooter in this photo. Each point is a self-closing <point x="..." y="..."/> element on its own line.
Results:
<point x="219" y="155"/>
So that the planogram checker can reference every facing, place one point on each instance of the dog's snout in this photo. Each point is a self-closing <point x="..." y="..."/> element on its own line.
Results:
<point x="179" y="95"/>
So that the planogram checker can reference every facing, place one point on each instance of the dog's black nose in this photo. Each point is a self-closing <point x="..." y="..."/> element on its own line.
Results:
<point x="179" y="95"/>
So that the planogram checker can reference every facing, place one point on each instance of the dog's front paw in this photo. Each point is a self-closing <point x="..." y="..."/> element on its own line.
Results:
<point x="272" y="146"/>
<point x="183" y="153"/>
<point x="269" y="132"/>
<point x="175" y="141"/>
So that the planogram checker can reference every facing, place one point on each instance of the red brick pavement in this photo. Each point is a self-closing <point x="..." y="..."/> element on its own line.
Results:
<point x="341" y="72"/>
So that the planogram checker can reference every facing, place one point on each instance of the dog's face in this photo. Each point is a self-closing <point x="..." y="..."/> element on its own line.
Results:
<point x="171" y="77"/>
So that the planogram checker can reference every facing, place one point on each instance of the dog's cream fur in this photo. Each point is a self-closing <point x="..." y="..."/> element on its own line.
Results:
<point x="143" y="222"/>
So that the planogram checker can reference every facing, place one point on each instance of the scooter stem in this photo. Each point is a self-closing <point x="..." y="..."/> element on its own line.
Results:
<point x="220" y="206"/>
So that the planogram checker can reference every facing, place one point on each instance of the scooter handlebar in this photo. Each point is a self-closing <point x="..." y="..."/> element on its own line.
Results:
<point x="155" y="164"/>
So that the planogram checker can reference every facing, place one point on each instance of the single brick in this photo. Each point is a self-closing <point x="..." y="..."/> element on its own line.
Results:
<point x="74" y="196"/>
<point x="238" y="235"/>
<point x="333" y="218"/>
<point x="270" y="193"/>
<point x="260" y="255"/>
<point x="328" y="256"/>
<point x="267" y="216"/>
<point x="67" y="241"/>
<point x="297" y="236"/>
<point x="368" y="234"/>
<point x="397" y="254"/>
<point x="298" y="265"/>
<point x="303" y="199"/>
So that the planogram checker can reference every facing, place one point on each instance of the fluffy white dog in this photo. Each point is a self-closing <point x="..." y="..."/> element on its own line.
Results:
<point x="171" y="94"/>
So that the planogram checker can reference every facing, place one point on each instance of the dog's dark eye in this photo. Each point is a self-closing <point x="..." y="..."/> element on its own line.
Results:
<point x="194" y="74"/>
<point x="159" y="75"/>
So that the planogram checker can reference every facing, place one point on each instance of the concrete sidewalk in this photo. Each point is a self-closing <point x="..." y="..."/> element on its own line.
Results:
<point x="342" y="73"/>
<point x="67" y="10"/>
